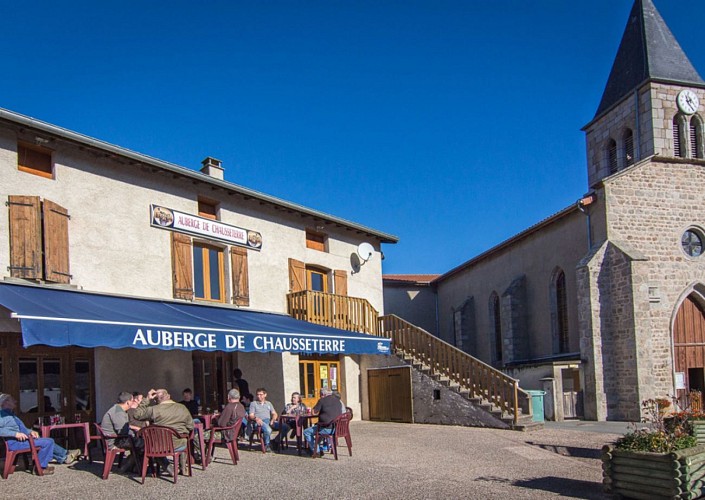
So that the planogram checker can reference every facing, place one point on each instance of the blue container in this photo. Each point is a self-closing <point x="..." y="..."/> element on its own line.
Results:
<point x="537" y="405"/>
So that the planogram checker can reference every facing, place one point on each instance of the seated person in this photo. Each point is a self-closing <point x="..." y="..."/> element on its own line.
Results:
<point x="293" y="409"/>
<point x="232" y="412"/>
<point x="135" y="424"/>
<point x="116" y="422"/>
<point x="160" y="409"/>
<point x="327" y="408"/>
<point x="189" y="402"/>
<point x="261" y="413"/>
<point x="12" y="427"/>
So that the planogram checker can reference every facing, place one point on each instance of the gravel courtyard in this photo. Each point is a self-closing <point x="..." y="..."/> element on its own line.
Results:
<point x="389" y="461"/>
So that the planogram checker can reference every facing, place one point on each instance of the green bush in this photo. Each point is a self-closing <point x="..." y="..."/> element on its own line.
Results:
<point x="654" y="441"/>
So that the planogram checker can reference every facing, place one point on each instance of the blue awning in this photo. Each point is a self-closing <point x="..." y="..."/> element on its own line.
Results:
<point x="60" y="317"/>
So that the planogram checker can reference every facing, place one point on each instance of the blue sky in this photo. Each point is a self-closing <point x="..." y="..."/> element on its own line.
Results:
<point x="451" y="124"/>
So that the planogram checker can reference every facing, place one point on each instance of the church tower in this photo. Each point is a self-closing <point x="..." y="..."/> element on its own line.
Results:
<point x="653" y="103"/>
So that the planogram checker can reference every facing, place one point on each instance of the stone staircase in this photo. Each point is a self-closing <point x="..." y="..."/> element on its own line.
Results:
<point x="471" y="385"/>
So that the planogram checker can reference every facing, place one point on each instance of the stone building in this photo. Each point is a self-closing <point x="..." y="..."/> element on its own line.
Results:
<point x="602" y="304"/>
<point x="124" y="272"/>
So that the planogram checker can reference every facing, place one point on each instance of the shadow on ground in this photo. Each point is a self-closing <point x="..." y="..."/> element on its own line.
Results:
<point x="569" y="451"/>
<point x="573" y="488"/>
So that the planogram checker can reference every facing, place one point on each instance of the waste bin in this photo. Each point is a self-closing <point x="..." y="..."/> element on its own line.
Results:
<point x="537" y="405"/>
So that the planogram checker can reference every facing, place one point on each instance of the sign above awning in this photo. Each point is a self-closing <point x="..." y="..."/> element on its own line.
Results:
<point x="60" y="317"/>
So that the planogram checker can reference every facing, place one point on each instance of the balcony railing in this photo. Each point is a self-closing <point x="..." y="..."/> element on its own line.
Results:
<point x="338" y="311"/>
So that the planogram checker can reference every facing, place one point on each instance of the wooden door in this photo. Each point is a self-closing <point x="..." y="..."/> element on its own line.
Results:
<point x="47" y="381"/>
<point x="316" y="373"/>
<point x="689" y="344"/>
<point x="390" y="394"/>
<point x="209" y="380"/>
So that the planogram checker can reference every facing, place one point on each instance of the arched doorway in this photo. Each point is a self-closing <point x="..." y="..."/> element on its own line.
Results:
<point x="689" y="348"/>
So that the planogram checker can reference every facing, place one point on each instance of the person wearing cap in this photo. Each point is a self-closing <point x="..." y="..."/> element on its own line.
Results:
<point x="327" y="408"/>
<point x="12" y="427"/>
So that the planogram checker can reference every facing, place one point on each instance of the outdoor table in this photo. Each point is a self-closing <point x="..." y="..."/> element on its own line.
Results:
<point x="302" y="421"/>
<point x="206" y="419"/>
<point x="46" y="432"/>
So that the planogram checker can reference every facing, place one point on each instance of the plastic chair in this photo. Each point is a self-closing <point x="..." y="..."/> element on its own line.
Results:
<point x="159" y="443"/>
<point x="342" y="430"/>
<point x="11" y="457"/>
<point x="110" y="453"/>
<point x="331" y="438"/>
<point x="257" y="432"/>
<point x="231" y="444"/>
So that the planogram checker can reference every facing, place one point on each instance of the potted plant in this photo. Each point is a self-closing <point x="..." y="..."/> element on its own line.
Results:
<point x="662" y="460"/>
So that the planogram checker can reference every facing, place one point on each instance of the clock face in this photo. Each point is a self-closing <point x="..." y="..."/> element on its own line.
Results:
<point x="688" y="102"/>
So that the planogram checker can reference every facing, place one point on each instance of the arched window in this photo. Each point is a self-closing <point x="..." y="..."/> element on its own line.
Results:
<point x="628" y="147"/>
<point x="696" y="137"/>
<point x="496" y="325"/>
<point x="678" y="145"/>
<point x="612" y="156"/>
<point x="562" y="313"/>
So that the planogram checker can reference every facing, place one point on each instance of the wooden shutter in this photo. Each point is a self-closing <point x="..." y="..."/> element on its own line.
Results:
<point x="241" y="283"/>
<point x="25" y="237"/>
<point x="182" y="266"/>
<point x="341" y="282"/>
<point x="297" y="276"/>
<point x="56" y="242"/>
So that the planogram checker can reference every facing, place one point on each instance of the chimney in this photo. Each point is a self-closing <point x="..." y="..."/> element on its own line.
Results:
<point x="212" y="167"/>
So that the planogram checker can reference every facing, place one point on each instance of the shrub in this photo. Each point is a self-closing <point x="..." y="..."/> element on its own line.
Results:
<point x="664" y="435"/>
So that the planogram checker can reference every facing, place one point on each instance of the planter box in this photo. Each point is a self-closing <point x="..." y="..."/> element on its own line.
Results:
<point x="632" y="474"/>
<point x="698" y="427"/>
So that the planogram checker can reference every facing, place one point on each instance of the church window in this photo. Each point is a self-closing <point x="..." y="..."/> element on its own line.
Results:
<point x="628" y="147"/>
<point x="561" y="313"/>
<point x="696" y="137"/>
<point x="678" y="146"/>
<point x="612" y="155"/>
<point x="496" y="323"/>
<point x="692" y="242"/>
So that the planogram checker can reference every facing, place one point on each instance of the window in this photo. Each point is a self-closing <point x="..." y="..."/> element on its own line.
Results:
<point x="316" y="279"/>
<point x="208" y="276"/>
<point x="696" y="137"/>
<point x="692" y="242"/>
<point x="207" y="209"/>
<point x="678" y="147"/>
<point x="561" y="313"/>
<point x="458" y="328"/>
<point x="612" y="155"/>
<point x="35" y="160"/>
<point x="496" y="325"/>
<point x="316" y="241"/>
<point x="628" y="148"/>
<point x="39" y="239"/>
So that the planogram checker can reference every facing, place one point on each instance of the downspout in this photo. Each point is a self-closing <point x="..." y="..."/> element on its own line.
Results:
<point x="583" y="205"/>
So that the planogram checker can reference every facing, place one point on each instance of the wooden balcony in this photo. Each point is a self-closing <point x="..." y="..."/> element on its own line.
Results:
<point x="338" y="311"/>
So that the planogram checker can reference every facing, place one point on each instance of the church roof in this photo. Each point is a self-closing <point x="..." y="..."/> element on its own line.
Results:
<point x="648" y="51"/>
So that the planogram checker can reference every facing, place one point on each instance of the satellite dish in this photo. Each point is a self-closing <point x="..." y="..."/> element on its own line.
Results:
<point x="365" y="251"/>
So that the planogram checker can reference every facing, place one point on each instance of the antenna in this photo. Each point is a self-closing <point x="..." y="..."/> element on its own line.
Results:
<point x="365" y="251"/>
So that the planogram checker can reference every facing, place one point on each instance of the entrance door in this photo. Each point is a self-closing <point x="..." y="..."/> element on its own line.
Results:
<point x="316" y="373"/>
<point x="47" y="381"/>
<point x="209" y="380"/>
<point x="689" y="346"/>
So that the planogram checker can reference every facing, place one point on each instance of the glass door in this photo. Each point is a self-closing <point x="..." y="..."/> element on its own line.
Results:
<point x="318" y="373"/>
<point x="209" y="380"/>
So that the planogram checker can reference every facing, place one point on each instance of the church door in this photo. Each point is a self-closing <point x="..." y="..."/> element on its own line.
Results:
<point x="689" y="348"/>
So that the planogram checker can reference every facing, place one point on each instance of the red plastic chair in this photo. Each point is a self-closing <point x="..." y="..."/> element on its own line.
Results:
<point x="159" y="443"/>
<point x="342" y="430"/>
<point x="110" y="453"/>
<point x="257" y="433"/>
<point x="331" y="438"/>
<point x="230" y="444"/>
<point x="11" y="458"/>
